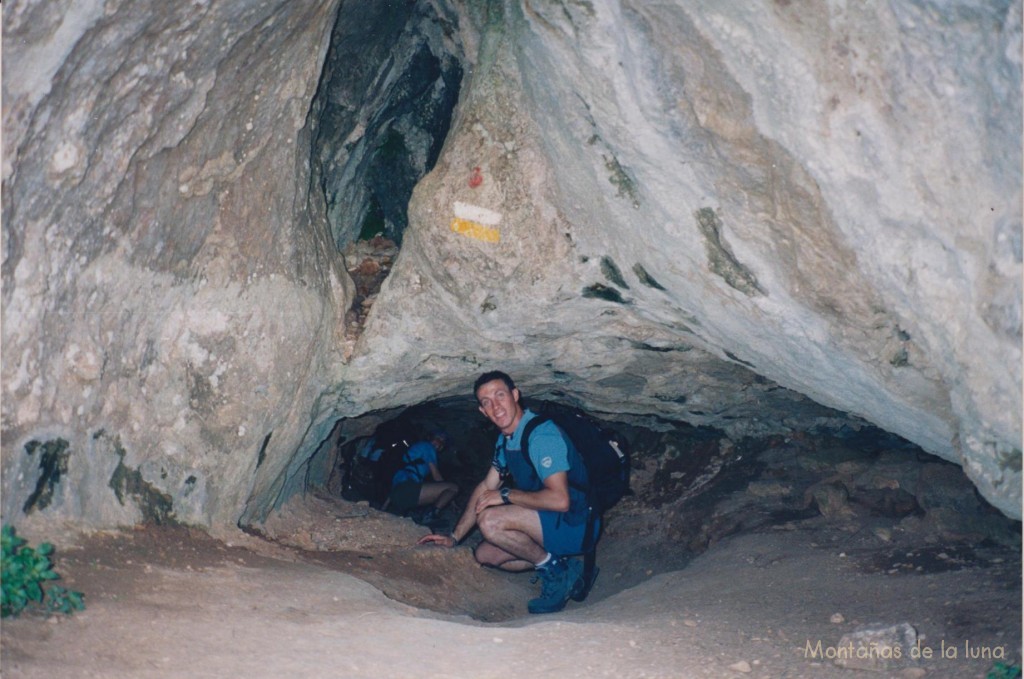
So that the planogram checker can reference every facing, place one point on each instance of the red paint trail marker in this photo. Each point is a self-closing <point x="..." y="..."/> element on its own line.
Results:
<point x="475" y="179"/>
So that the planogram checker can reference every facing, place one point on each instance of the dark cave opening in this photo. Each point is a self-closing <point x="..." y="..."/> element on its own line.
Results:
<point x="858" y="488"/>
<point x="676" y="464"/>
<point x="387" y="94"/>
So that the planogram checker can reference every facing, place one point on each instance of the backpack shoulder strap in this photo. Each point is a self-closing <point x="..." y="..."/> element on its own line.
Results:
<point x="524" y="443"/>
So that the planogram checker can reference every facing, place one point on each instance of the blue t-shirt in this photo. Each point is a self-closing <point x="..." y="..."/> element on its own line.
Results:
<point x="417" y="460"/>
<point x="551" y="451"/>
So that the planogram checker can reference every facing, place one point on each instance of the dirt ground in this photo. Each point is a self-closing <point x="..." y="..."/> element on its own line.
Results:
<point x="341" y="591"/>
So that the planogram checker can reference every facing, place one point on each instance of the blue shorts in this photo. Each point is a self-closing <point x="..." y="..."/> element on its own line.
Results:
<point x="404" y="496"/>
<point x="560" y="538"/>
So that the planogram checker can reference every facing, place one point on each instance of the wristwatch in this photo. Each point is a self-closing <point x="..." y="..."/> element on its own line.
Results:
<point x="504" y="495"/>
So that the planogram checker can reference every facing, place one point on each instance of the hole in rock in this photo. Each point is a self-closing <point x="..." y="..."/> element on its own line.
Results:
<point x="858" y="507"/>
<point x="388" y="90"/>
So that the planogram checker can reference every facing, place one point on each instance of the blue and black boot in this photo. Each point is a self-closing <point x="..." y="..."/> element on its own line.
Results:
<point x="561" y="579"/>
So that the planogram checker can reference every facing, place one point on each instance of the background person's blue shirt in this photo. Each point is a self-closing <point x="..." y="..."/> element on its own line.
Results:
<point x="418" y="459"/>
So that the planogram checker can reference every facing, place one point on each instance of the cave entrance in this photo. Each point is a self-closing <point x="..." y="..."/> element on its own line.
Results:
<point x="387" y="93"/>
<point x="855" y="495"/>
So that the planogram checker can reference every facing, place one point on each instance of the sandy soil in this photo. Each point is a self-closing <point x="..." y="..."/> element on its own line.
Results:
<point x="173" y="602"/>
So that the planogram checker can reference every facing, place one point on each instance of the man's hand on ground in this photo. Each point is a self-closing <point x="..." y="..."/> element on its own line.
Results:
<point x="435" y="539"/>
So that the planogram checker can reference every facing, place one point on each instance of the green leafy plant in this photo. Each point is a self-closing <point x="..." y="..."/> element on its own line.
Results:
<point x="25" y="569"/>
<point x="1003" y="671"/>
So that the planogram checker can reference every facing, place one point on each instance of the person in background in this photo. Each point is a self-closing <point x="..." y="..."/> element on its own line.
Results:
<point x="418" y="483"/>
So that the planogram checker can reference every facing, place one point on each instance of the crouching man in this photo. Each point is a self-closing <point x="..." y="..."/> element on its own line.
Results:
<point x="540" y="524"/>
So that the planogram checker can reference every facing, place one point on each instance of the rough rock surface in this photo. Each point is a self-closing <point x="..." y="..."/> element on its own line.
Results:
<point x="693" y="199"/>
<point x="169" y="293"/>
<point x="757" y="217"/>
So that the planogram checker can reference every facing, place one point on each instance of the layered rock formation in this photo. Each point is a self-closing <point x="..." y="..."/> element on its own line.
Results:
<point x="760" y="218"/>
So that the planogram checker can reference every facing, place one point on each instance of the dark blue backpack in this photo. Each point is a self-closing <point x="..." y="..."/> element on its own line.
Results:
<point x="604" y="453"/>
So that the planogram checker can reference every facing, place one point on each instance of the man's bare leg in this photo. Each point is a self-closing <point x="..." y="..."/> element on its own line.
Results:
<point x="513" y="538"/>
<point x="488" y="555"/>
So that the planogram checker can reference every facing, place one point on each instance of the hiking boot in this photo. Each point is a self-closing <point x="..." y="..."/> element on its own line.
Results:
<point x="560" y="580"/>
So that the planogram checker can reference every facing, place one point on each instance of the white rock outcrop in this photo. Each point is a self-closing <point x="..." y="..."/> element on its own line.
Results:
<point x="735" y="214"/>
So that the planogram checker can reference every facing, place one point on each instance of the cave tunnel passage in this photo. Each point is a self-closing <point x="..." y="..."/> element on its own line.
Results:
<point x="387" y="93"/>
<point x="858" y="490"/>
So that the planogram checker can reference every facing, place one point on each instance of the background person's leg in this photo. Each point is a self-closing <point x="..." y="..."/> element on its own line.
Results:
<point x="437" y="494"/>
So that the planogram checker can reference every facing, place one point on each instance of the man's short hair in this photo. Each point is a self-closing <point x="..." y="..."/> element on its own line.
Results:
<point x="490" y="377"/>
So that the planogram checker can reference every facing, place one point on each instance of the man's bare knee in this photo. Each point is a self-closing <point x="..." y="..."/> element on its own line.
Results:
<point x="490" y="522"/>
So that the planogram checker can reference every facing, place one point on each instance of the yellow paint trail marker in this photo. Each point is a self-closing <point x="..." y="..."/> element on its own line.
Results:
<point x="476" y="222"/>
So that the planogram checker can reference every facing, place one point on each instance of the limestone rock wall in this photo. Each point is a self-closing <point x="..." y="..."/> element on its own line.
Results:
<point x="168" y="299"/>
<point x="755" y="216"/>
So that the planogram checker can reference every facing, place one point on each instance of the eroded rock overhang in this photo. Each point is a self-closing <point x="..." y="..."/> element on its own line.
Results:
<point x="757" y="218"/>
<point x="685" y="207"/>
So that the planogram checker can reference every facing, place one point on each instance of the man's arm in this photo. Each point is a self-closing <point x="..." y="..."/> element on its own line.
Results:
<point x="548" y="451"/>
<point x="554" y="496"/>
<point x="466" y="522"/>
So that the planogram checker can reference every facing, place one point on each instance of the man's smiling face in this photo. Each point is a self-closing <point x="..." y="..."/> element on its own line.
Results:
<point x="500" y="405"/>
